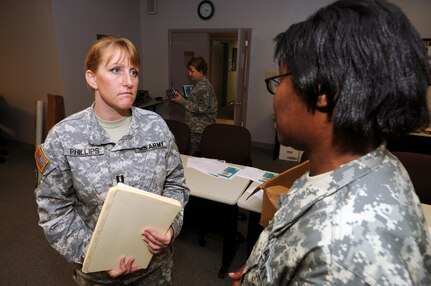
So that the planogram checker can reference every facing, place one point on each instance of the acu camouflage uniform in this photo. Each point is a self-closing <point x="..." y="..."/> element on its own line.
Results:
<point x="361" y="224"/>
<point x="79" y="163"/>
<point x="201" y="111"/>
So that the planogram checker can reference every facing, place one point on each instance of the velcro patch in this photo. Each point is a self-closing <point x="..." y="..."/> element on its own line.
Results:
<point x="151" y="146"/>
<point x="41" y="159"/>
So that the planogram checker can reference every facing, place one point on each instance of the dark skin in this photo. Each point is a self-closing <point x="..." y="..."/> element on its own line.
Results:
<point x="313" y="132"/>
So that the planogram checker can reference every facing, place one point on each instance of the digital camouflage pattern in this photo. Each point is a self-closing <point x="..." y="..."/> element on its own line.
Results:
<point x="361" y="224"/>
<point x="200" y="110"/>
<point x="200" y="106"/>
<point x="83" y="164"/>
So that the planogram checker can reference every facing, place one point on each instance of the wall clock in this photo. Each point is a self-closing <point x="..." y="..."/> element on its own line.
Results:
<point x="205" y="10"/>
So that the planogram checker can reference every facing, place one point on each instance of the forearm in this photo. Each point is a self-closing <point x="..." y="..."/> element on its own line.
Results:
<point x="176" y="188"/>
<point x="65" y="231"/>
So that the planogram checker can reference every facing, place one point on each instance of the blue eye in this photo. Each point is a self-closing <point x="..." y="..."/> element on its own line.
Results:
<point x="115" y="70"/>
<point x="134" y="73"/>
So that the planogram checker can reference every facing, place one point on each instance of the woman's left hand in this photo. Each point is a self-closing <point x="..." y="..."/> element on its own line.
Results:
<point x="124" y="267"/>
<point x="156" y="241"/>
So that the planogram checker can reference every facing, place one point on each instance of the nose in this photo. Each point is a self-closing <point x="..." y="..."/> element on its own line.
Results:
<point x="128" y="80"/>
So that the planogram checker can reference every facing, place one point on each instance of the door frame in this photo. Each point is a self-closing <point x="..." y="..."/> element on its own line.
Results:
<point x="242" y="62"/>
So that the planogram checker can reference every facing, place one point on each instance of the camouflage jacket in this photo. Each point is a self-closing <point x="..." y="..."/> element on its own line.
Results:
<point x="79" y="163"/>
<point x="360" y="225"/>
<point x="200" y="106"/>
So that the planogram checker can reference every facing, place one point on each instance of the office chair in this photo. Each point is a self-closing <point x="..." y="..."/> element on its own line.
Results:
<point x="231" y="143"/>
<point x="418" y="166"/>
<point x="54" y="112"/>
<point x="181" y="133"/>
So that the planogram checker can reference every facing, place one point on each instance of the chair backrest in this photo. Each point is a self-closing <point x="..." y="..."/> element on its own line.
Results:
<point x="181" y="133"/>
<point x="231" y="143"/>
<point x="54" y="111"/>
<point x="418" y="166"/>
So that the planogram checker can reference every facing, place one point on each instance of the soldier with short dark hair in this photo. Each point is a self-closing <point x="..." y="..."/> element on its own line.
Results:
<point x="351" y="74"/>
<point x="201" y="103"/>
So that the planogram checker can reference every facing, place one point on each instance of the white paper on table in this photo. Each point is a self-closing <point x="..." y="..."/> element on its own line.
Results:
<point x="256" y="174"/>
<point x="206" y="166"/>
<point x="213" y="167"/>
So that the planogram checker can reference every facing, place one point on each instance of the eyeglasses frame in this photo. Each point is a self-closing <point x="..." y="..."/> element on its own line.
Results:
<point x="274" y="79"/>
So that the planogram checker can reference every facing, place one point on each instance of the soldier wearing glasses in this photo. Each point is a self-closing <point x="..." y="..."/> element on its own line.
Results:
<point x="350" y="74"/>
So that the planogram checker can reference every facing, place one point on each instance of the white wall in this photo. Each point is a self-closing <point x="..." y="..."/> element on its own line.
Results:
<point x="44" y="43"/>
<point x="265" y="18"/>
<point x="77" y="24"/>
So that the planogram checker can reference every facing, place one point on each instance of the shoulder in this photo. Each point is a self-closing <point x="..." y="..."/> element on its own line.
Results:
<point x="76" y="122"/>
<point x="81" y="116"/>
<point x="149" y="122"/>
<point x="145" y="116"/>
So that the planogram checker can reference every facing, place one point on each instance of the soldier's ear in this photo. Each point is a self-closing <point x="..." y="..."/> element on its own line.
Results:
<point x="91" y="79"/>
<point x="322" y="101"/>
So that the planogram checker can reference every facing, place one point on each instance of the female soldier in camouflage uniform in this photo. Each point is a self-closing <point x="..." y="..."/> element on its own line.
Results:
<point x="354" y="71"/>
<point x="201" y="103"/>
<point x="83" y="155"/>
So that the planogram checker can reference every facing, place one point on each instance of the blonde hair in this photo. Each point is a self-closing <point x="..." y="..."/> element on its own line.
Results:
<point x="97" y="51"/>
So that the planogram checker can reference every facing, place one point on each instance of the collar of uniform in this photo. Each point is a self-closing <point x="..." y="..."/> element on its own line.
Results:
<point x="98" y="135"/>
<point x="138" y="134"/>
<point x="321" y="189"/>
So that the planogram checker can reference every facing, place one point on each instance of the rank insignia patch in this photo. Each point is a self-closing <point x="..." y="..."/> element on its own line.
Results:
<point x="41" y="159"/>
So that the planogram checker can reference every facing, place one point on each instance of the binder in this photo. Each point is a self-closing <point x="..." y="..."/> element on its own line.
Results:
<point x="125" y="212"/>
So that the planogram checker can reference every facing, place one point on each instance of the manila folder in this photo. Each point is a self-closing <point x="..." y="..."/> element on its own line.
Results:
<point x="125" y="212"/>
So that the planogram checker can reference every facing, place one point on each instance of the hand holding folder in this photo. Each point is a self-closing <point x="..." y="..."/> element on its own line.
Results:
<point x="125" y="213"/>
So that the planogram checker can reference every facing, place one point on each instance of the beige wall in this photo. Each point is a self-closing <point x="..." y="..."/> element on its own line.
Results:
<point x="266" y="19"/>
<point x="44" y="43"/>
<point x="29" y="60"/>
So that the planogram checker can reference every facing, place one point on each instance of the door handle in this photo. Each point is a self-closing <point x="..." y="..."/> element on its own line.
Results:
<point x="235" y="103"/>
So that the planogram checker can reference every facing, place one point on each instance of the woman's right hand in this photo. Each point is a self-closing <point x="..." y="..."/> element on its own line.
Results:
<point x="178" y="97"/>
<point x="236" y="276"/>
<point x="124" y="267"/>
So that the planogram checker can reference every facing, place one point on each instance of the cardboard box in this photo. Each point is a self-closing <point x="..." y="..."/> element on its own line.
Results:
<point x="273" y="188"/>
<point x="289" y="154"/>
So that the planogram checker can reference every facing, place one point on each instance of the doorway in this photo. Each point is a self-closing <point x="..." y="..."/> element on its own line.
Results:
<point x="227" y="60"/>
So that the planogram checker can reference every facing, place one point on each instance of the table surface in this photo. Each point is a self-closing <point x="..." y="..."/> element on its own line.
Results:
<point x="151" y="103"/>
<point x="253" y="203"/>
<point x="425" y="133"/>
<point x="201" y="185"/>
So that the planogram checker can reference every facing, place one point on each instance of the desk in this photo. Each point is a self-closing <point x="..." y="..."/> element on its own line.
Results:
<point x="254" y="206"/>
<point x="417" y="142"/>
<point x="226" y="192"/>
<point x="150" y="105"/>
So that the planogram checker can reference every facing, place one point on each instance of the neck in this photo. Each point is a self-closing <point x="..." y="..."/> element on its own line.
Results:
<point x="107" y="113"/>
<point x="332" y="155"/>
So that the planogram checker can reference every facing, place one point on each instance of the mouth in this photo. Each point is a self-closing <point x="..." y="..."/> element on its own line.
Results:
<point x="127" y="93"/>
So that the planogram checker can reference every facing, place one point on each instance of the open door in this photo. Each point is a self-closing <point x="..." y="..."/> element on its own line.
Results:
<point x="243" y="60"/>
<point x="227" y="54"/>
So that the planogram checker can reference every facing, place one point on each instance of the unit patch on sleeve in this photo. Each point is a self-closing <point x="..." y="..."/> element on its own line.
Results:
<point x="41" y="159"/>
